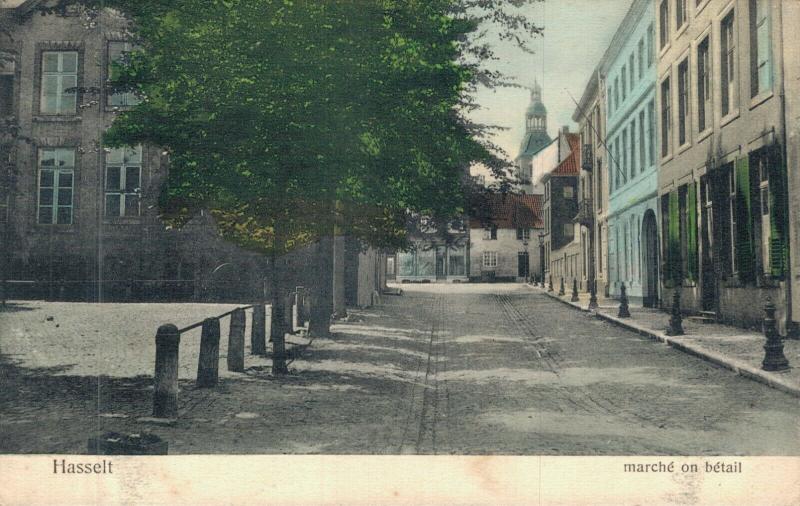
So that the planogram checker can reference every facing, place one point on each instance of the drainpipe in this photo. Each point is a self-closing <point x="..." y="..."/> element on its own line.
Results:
<point x="791" y="330"/>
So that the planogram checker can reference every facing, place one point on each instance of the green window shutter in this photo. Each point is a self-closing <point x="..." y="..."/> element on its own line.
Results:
<point x="691" y="232"/>
<point x="674" y="250"/>
<point x="778" y="218"/>
<point x="744" y="243"/>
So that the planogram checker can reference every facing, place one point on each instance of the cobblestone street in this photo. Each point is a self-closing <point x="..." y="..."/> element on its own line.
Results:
<point x="442" y="369"/>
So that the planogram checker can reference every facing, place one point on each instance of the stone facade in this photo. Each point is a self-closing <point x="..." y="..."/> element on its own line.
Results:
<point x="722" y="170"/>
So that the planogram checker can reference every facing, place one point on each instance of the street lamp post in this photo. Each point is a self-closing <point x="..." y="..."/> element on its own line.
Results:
<point x="541" y="256"/>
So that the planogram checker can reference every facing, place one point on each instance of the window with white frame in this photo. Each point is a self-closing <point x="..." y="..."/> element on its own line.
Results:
<point x="650" y="46"/>
<point x="763" y="188"/>
<point x="632" y="67"/>
<point x="727" y="52"/>
<point x="666" y="117"/>
<point x="642" y="142"/>
<point x="56" y="179"/>
<point x="523" y="234"/>
<point x="680" y="13"/>
<point x="569" y="192"/>
<point x="633" y="148"/>
<point x="118" y="52"/>
<point x="760" y="51"/>
<point x="651" y="133"/>
<point x="663" y="23"/>
<point x="683" y="101"/>
<point x="624" y="155"/>
<point x="490" y="259"/>
<point x="624" y="81"/>
<point x="490" y="233"/>
<point x="123" y="182"/>
<point x="59" y="81"/>
<point x="640" y="49"/>
<point x="703" y="85"/>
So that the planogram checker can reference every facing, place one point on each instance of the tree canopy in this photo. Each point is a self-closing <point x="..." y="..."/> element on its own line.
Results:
<point x="272" y="110"/>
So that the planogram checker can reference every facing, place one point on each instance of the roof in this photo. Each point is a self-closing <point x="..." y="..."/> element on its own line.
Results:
<point x="569" y="166"/>
<point x="536" y="108"/>
<point x="533" y="142"/>
<point x="510" y="210"/>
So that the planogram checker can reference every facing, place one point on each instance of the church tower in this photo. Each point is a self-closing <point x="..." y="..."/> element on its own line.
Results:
<point x="535" y="137"/>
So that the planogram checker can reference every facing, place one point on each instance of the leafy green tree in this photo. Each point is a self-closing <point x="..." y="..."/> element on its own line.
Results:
<point x="287" y="118"/>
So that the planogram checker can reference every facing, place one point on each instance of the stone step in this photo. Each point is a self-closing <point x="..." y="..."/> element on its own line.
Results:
<point x="702" y="319"/>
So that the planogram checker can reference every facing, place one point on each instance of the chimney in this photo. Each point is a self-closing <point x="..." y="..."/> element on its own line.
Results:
<point x="565" y="129"/>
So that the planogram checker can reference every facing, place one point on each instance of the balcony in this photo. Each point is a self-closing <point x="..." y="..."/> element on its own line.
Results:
<point x="585" y="214"/>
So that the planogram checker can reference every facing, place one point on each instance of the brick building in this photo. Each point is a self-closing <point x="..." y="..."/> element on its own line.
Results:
<point x="79" y="221"/>
<point x="563" y="249"/>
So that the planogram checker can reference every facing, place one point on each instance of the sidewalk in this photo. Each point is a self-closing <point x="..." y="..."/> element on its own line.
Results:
<point x="739" y="350"/>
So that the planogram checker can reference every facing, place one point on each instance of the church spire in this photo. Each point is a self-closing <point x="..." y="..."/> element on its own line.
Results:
<point x="536" y="115"/>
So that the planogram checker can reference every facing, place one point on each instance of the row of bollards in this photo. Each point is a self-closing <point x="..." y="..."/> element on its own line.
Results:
<point x="165" y="396"/>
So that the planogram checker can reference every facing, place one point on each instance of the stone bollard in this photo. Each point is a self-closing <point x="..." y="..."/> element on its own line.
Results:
<point x="676" y="321"/>
<point x="574" y="297"/>
<point x="774" y="359"/>
<point x="258" y="333"/>
<point x="561" y="289"/>
<point x="208" y="363"/>
<point x="165" y="389"/>
<point x="623" y="303"/>
<point x="550" y="288"/>
<point x="236" y="341"/>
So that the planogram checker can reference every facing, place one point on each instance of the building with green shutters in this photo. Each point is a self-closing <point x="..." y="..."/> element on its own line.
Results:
<point x="722" y="181"/>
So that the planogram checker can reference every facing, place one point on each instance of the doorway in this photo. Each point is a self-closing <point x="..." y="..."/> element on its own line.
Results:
<point x="650" y="256"/>
<point x="522" y="264"/>
<point x="707" y="280"/>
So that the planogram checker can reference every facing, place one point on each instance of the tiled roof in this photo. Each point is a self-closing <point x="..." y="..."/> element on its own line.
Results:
<point x="511" y="210"/>
<point x="570" y="166"/>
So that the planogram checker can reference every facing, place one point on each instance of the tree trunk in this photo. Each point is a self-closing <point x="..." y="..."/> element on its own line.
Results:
<point x="278" y="326"/>
<point x="322" y="291"/>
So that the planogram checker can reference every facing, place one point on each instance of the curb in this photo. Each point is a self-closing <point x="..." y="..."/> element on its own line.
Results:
<point x="741" y="368"/>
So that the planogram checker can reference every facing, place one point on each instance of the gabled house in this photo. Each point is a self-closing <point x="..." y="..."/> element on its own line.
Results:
<point x="504" y="238"/>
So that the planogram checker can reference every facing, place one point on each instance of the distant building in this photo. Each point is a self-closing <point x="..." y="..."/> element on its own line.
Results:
<point x="434" y="256"/>
<point x="633" y="244"/>
<point x="534" y="140"/>
<point x="563" y="251"/>
<point x="593" y="188"/>
<point x="504" y="242"/>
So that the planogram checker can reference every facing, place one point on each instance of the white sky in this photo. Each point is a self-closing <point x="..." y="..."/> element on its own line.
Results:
<point x="577" y="33"/>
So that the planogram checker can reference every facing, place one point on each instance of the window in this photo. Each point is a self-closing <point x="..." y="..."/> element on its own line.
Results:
<point x="490" y="259"/>
<point x="641" y="59"/>
<point x="117" y="56"/>
<point x="617" y="167"/>
<point x="680" y="13"/>
<point x="59" y="82"/>
<point x="728" y="64"/>
<point x="650" y="49"/>
<point x="633" y="148"/>
<point x="663" y="24"/>
<point x="624" y="80"/>
<point x="523" y="234"/>
<point x="683" y="101"/>
<point x="651" y="133"/>
<point x="760" y="53"/>
<point x="703" y="85"/>
<point x="624" y="155"/>
<point x="568" y="230"/>
<point x="642" y="157"/>
<point x="123" y="182"/>
<point x="632" y="67"/>
<point x="666" y="118"/>
<point x="732" y="215"/>
<point x="763" y="189"/>
<point x="56" y="174"/>
<point x="616" y="93"/>
<point x="569" y="192"/>
<point x="599" y="249"/>
<point x="490" y="233"/>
